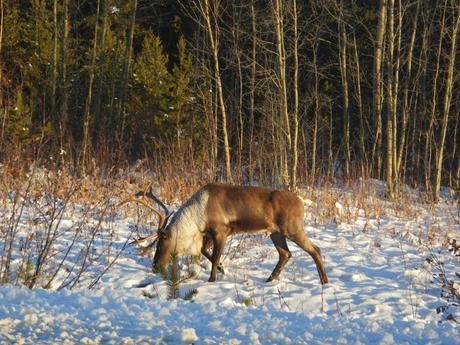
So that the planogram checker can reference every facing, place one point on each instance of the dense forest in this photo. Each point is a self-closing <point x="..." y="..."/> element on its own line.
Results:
<point x="283" y="92"/>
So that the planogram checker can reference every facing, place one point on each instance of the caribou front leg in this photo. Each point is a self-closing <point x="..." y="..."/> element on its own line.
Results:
<point x="284" y="254"/>
<point x="219" y="238"/>
<point x="207" y="245"/>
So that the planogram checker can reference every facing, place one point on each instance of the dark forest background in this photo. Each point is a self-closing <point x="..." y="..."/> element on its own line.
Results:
<point x="280" y="92"/>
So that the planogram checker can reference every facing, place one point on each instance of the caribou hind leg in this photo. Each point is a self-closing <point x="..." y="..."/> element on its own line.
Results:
<point x="279" y="240"/>
<point x="304" y="242"/>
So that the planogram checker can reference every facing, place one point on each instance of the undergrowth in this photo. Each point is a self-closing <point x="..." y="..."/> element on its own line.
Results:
<point x="174" y="280"/>
<point x="34" y="201"/>
<point x="447" y="281"/>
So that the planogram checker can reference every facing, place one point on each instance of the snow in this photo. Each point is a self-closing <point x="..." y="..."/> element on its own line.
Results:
<point x="382" y="288"/>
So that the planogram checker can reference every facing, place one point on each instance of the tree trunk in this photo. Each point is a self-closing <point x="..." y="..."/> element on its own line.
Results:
<point x="279" y="31"/>
<point x="345" y="99"/>
<point x="252" y="85"/>
<point x="377" y="88"/>
<point x="405" y="103"/>
<point x="101" y="123"/>
<point x="213" y="38"/>
<point x="315" y="116"/>
<point x="432" y="118"/>
<point x="236" y="38"/>
<point x="54" y="112"/>
<point x="125" y="76"/>
<point x="87" y="113"/>
<point x="362" y="146"/>
<point x="3" y="107"/>
<point x="454" y="170"/>
<point x="446" y="103"/>
<point x="395" y="94"/>
<point x="295" y="154"/>
<point x="390" y="186"/>
<point x="63" y="82"/>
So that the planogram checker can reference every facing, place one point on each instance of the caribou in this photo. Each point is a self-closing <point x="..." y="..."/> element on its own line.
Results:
<point x="217" y="211"/>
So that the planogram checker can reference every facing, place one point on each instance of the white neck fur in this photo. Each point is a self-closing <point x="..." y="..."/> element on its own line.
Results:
<point x="188" y="225"/>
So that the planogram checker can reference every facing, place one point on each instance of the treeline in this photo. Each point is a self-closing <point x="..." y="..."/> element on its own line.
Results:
<point x="281" y="91"/>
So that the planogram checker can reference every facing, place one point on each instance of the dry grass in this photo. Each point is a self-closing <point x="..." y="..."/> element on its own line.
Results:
<point x="339" y="205"/>
<point x="44" y="192"/>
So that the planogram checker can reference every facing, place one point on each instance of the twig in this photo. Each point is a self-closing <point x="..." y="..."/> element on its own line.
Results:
<point x="90" y="286"/>
<point x="282" y="300"/>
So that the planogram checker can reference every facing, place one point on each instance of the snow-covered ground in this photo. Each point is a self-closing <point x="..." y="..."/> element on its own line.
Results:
<point x="383" y="284"/>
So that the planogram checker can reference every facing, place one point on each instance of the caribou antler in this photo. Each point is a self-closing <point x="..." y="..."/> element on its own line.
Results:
<point x="154" y="236"/>
<point x="161" y="216"/>
<point x="152" y="196"/>
<point x="141" y="240"/>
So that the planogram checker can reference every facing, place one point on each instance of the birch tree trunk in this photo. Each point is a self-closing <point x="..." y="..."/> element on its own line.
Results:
<point x="3" y="108"/>
<point x="377" y="87"/>
<point x="295" y="154"/>
<point x="209" y="105"/>
<point x="63" y="80"/>
<point x="390" y="103"/>
<point x="99" y="121"/>
<point x="238" y="53"/>
<point x="434" y="105"/>
<point x="405" y="102"/>
<point x="454" y="171"/>
<point x="87" y="113"/>
<point x="395" y="89"/>
<point x="252" y="85"/>
<point x="362" y="146"/>
<point x="281" y="52"/>
<point x="125" y="76"/>
<point x="54" y="113"/>
<point x="447" y="99"/>
<point x="214" y="40"/>
<point x="345" y="98"/>
<point x="315" y="116"/>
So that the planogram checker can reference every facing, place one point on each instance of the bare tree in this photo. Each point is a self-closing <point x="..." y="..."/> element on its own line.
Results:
<point x="63" y="80"/>
<point x="252" y="85"/>
<point x="87" y="113"/>
<point x="434" y="104"/>
<point x="206" y="14"/>
<point x="447" y="98"/>
<point x="54" y="113"/>
<point x="357" y="76"/>
<point x="391" y="112"/>
<point x="295" y="153"/>
<point x="378" y="87"/>
<point x="278" y="17"/>
<point x="3" y="108"/>
<point x="342" y="45"/>
<point x="405" y="102"/>
<point x="125" y="75"/>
